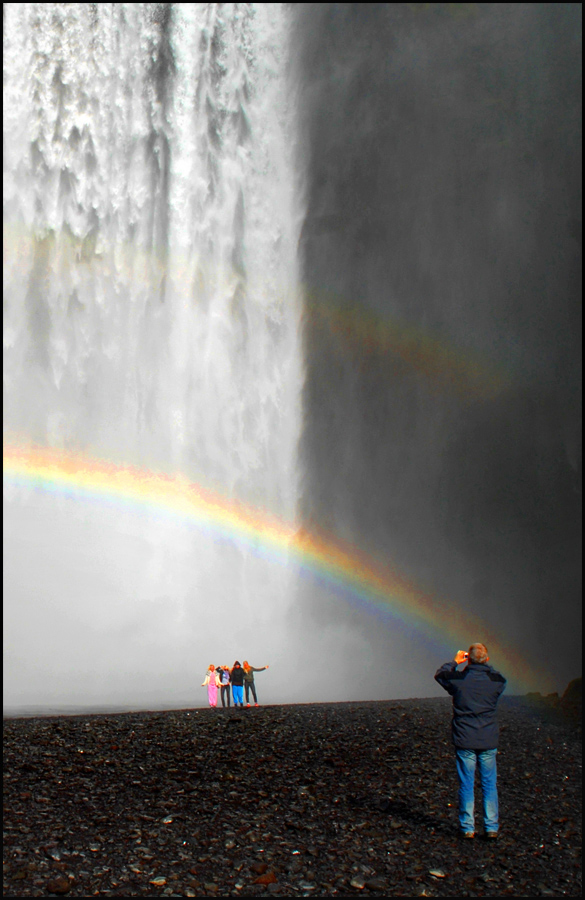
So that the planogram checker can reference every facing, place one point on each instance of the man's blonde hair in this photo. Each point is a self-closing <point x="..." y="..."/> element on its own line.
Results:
<point x="478" y="653"/>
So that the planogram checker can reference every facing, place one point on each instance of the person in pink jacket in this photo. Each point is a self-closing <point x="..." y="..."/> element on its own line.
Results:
<point x="212" y="682"/>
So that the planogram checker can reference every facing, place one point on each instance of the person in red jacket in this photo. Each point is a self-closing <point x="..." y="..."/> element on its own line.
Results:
<point x="476" y="690"/>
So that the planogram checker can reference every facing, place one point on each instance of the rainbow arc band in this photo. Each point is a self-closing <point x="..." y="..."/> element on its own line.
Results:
<point x="356" y="578"/>
<point x="398" y="346"/>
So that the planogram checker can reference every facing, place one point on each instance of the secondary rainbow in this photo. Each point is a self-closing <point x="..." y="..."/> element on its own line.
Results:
<point x="355" y="577"/>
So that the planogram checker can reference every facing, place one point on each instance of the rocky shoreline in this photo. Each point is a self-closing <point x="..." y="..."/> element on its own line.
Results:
<point x="286" y="800"/>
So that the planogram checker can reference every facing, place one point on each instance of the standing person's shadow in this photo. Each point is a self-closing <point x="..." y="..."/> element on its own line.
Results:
<point x="401" y="809"/>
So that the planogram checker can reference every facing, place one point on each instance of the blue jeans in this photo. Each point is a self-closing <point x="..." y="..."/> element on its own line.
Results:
<point x="466" y="761"/>
<point x="249" y="686"/>
<point x="225" y="692"/>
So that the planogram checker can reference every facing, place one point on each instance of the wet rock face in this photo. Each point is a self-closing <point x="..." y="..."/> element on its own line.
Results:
<point x="317" y="799"/>
<point x="442" y="262"/>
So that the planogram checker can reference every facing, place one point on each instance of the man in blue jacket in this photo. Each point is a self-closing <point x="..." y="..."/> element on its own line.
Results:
<point x="476" y="690"/>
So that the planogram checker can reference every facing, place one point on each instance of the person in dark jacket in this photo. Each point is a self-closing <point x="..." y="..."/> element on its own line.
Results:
<point x="224" y="684"/>
<point x="237" y="680"/>
<point x="476" y="690"/>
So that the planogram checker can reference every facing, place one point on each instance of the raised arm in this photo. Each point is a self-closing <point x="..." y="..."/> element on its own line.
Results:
<point x="444" y="675"/>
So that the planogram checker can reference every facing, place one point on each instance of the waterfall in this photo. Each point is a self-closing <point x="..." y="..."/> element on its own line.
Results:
<point x="151" y="310"/>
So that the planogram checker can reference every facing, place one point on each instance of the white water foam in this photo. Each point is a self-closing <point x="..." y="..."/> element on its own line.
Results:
<point x="151" y="317"/>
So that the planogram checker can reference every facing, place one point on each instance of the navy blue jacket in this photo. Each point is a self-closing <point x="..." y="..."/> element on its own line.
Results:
<point x="475" y="691"/>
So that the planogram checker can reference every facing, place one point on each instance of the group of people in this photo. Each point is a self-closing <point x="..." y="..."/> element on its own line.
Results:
<point x="231" y="681"/>
<point x="475" y="690"/>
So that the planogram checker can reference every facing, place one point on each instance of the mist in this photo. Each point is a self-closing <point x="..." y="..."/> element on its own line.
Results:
<point x="323" y="260"/>
<point x="151" y="320"/>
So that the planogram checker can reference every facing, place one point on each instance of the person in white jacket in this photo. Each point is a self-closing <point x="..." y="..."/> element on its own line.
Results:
<point x="212" y="682"/>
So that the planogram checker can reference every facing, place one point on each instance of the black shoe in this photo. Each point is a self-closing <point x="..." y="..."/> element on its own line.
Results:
<point x="491" y="835"/>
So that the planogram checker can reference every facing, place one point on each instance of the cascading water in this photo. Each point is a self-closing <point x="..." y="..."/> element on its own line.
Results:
<point x="151" y="318"/>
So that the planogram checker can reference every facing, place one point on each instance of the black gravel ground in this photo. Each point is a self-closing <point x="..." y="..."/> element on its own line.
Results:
<point x="285" y="800"/>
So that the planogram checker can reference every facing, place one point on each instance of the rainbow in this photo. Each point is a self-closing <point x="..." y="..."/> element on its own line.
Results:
<point x="378" y="589"/>
<point x="399" y="347"/>
<point x="396" y="345"/>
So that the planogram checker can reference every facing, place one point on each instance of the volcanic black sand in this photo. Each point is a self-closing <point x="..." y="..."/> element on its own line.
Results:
<point x="286" y="800"/>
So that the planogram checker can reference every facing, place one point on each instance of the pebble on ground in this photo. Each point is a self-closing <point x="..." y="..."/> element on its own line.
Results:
<point x="311" y="800"/>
